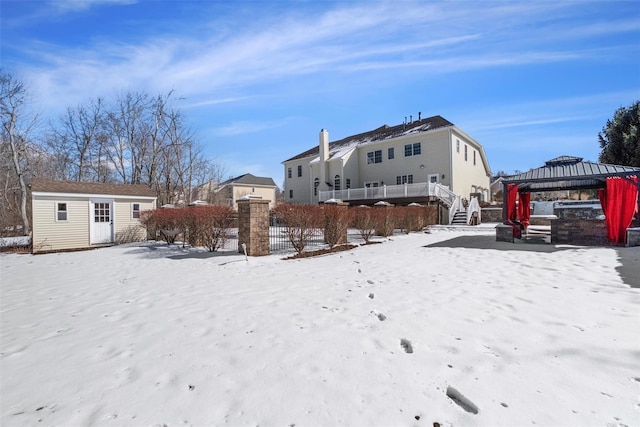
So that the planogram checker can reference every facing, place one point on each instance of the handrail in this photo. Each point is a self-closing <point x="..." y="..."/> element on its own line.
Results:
<point x="474" y="206"/>
<point x="392" y="192"/>
<point x="455" y="206"/>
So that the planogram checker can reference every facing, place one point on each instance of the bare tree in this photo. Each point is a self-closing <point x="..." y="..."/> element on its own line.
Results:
<point x="17" y="122"/>
<point x="128" y="139"/>
<point x="80" y="140"/>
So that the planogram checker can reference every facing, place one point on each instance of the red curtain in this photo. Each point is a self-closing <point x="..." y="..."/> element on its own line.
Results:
<point x="602" y="195"/>
<point x="620" y="204"/>
<point x="512" y="193"/>
<point x="524" y="212"/>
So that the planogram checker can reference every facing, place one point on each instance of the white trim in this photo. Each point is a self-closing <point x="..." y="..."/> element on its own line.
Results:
<point x="84" y="195"/>
<point x="55" y="211"/>
<point x="139" y="210"/>
<point x="112" y="219"/>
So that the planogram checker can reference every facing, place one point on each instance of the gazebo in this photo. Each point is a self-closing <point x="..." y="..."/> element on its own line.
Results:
<point x="618" y="190"/>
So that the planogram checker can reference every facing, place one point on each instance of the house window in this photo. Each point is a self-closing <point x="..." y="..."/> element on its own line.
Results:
<point x="289" y="173"/>
<point x="390" y="153"/>
<point x="291" y="194"/>
<point x="316" y="184"/>
<point x="135" y="210"/>
<point x="457" y="145"/>
<point x="474" y="157"/>
<point x="336" y="182"/>
<point x="374" y="157"/>
<point x="404" y="179"/>
<point x="413" y="149"/>
<point x="465" y="152"/>
<point x="348" y="182"/>
<point x="299" y="170"/>
<point x="61" y="211"/>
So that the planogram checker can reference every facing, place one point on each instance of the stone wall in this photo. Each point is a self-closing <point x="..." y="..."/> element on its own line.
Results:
<point x="633" y="236"/>
<point x="491" y="214"/>
<point x="581" y="232"/>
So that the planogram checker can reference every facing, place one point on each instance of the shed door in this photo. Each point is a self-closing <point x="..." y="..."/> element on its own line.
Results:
<point x="101" y="221"/>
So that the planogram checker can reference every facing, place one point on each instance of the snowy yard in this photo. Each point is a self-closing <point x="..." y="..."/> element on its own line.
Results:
<point x="146" y="335"/>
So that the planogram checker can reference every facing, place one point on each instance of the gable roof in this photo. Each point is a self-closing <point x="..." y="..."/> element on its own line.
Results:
<point x="569" y="173"/>
<point x="39" y="185"/>
<point x="379" y="134"/>
<point x="250" y="179"/>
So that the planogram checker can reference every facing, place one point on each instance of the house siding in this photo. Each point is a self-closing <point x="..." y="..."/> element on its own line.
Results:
<point x="266" y="193"/>
<point x="122" y="214"/>
<point x="466" y="174"/>
<point x="51" y="235"/>
<point x="301" y="185"/>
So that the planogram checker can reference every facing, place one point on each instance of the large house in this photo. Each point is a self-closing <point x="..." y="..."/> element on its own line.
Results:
<point x="417" y="161"/>
<point x="229" y="191"/>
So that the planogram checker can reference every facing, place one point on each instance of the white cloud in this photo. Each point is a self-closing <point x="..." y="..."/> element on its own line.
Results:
<point x="244" y="127"/>
<point x="65" y="6"/>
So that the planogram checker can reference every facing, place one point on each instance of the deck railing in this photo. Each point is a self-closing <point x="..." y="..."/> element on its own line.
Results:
<point x="387" y="192"/>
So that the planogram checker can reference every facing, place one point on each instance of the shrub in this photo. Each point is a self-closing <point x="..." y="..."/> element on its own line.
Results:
<point x="364" y="221"/>
<point x="130" y="234"/>
<point x="209" y="225"/>
<point x="168" y="222"/>
<point x="300" y="223"/>
<point x="385" y="220"/>
<point x="336" y="223"/>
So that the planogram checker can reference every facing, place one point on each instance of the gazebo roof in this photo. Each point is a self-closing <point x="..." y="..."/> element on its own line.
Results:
<point x="568" y="173"/>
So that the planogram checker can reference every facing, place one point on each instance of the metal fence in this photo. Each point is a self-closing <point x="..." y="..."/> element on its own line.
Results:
<point x="279" y="238"/>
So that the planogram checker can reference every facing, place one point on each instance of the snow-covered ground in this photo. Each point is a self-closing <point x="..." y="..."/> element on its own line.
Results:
<point x="146" y="335"/>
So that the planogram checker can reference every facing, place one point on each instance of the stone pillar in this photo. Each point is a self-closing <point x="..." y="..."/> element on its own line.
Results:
<point x="253" y="226"/>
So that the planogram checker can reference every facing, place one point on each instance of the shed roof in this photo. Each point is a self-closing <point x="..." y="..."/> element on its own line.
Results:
<point x="569" y="173"/>
<point x="100" y="188"/>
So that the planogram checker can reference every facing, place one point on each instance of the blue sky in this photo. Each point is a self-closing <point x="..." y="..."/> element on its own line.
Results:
<point x="257" y="80"/>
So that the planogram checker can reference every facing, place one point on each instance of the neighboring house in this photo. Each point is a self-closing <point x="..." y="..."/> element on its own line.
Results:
<point x="496" y="189"/>
<point x="229" y="191"/>
<point x="79" y="215"/>
<point x="397" y="158"/>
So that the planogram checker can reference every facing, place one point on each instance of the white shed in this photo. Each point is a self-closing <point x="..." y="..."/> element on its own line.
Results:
<point x="79" y="215"/>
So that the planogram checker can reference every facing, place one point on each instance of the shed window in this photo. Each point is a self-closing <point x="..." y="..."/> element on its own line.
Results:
<point x="289" y="173"/>
<point x="336" y="182"/>
<point x="135" y="210"/>
<point x="299" y="170"/>
<point x="390" y="153"/>
<point x="61" y="211"/>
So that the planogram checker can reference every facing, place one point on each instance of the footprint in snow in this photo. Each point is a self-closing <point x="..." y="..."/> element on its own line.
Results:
<point x="406" y="345"/>
<point x="462" y="401"/>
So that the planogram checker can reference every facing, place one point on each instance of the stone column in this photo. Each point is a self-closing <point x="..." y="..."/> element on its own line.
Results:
<point x="253" y="226"/>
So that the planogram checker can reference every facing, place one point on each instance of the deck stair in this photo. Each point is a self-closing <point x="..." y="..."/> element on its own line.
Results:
<point x="460" y="218"/>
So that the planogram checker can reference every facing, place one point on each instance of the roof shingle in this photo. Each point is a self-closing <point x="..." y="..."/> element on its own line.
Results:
<point x="74" y="187"/>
